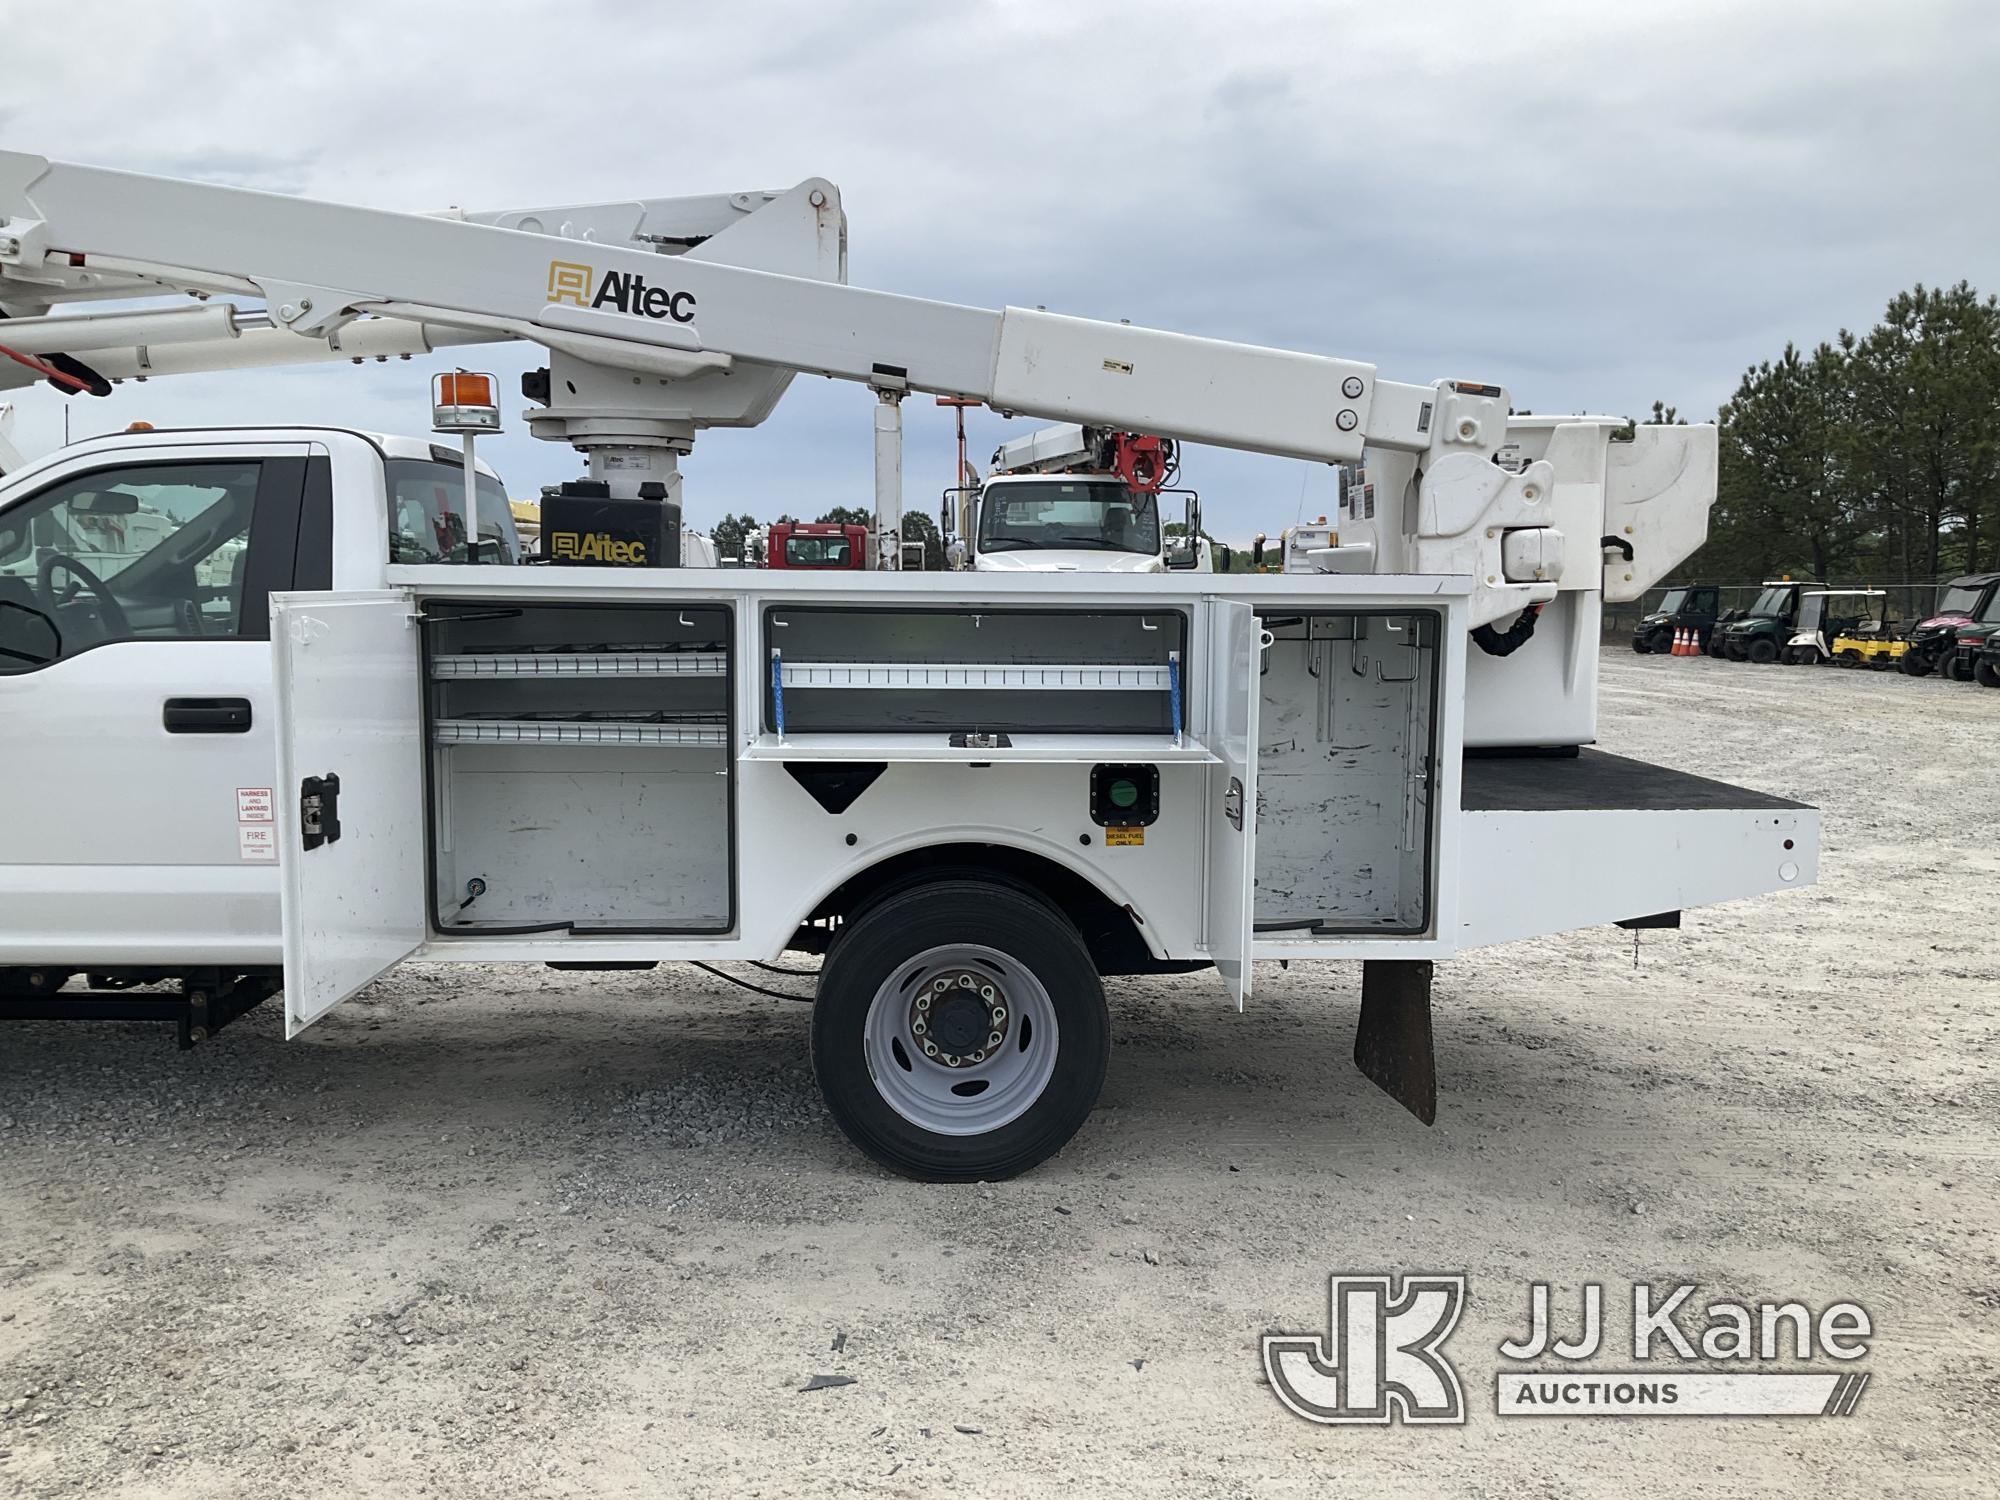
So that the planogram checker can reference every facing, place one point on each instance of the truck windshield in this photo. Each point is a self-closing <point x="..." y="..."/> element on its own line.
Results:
<point x="1671" y="605"/>
<point x="818" y="552"/>
<point x="1958" y="601"/>
<point x="427" y="514"/>
<point x="1062" y="514"/>
<point x="1771" y="602"/>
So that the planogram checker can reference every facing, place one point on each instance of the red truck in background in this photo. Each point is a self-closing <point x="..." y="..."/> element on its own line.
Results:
<point x="817" y="544"/>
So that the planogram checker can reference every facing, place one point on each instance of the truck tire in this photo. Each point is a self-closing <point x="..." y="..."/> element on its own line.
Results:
<point x="1915" y="664"/>
<point x="1952" y="667"/>
<point x="1986" y="673"/>
<point x="1643" y="644"/>
<point x="1763" y="651"/>
<point x="960" y="1032"/>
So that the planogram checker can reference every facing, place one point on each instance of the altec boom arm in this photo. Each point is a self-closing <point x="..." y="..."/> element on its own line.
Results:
<point x="318" y="265"/>
<point x="654" y="334"/>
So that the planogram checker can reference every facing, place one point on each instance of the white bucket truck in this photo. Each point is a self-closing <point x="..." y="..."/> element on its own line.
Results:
<point x="975" y="794"/>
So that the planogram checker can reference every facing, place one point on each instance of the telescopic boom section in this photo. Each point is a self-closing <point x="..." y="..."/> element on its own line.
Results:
<point x="664" y="317"/>
<point x="320" y="265"/>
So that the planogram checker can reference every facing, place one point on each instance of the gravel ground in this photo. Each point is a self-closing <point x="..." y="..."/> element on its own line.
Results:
<point x="509" y="1232"/>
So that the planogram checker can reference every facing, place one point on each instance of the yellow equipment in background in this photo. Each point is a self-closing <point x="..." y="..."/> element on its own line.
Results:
<point x="1868" y="650"/>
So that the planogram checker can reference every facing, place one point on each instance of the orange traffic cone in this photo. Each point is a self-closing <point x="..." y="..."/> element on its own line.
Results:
<point x="1680" y="641"/>
<point x="1687" y="649"/>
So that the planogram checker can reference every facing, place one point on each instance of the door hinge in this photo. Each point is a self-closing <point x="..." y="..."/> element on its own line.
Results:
<point x="319" y="810"/>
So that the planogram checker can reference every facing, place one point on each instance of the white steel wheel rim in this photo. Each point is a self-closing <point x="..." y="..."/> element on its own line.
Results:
<point x="974" y="1097"/>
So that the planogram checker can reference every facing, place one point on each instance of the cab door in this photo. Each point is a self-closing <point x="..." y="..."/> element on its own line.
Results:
<point x="1234" y="688"/>
<point x="350" y="792"/>
<point x="136" y="732"/>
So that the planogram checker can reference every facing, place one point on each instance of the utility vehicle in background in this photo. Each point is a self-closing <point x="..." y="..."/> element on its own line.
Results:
<point x="1827" y="616"/>
<point x="1693" y="607"/>
<point x="1969" y="636"/>
<point x="1934" y="640"/>
<point x="1761" y="632"/>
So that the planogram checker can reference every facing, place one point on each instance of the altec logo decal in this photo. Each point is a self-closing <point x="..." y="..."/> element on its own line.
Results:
<point x="622" y="291"/>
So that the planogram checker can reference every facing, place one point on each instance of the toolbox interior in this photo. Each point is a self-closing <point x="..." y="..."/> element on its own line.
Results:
<point x="1347" y="725"/>
<point x="580" y="768"/>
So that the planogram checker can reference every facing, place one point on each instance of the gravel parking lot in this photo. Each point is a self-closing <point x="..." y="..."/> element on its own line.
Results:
<point x="503" y="1231"/>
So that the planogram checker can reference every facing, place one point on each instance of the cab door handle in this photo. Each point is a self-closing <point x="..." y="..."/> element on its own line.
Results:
<point x="206" y="716"/>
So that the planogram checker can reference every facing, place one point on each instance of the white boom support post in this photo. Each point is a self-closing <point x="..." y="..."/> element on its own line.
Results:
<point x="888" y="479"/>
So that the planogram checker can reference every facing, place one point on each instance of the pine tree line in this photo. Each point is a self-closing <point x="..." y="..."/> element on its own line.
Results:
<point x="1871" y="458"/>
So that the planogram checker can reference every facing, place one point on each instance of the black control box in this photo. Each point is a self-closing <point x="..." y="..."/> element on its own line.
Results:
<point x="584" y="525"/>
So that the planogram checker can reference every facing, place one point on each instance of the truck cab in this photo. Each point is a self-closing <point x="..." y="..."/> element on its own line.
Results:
<point x="1077" y="523"/>
<point x="137" y="716"/>
<point x="819" y="544"/>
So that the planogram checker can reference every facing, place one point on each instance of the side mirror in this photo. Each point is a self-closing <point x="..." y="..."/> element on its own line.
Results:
<point x="1225" y="557"/>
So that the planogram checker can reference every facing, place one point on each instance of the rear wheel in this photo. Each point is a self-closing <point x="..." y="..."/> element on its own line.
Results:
<point x="1763" y="651"/>
<point x="1987" y="672"/>
<point x="960" y="1032"/>
<point x="1953" y="668"/>
<point x="1915" y="664"/>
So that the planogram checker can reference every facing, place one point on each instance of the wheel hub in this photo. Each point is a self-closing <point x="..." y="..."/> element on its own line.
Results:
<point x="959" y="1018"/>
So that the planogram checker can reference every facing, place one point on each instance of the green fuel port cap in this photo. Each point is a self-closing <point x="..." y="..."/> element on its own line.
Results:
<point x="1124" y="796"/>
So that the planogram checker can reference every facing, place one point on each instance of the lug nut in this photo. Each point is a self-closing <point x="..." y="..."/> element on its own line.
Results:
<point x="995" y="1039"/>
<point x="999" y="1016"/>
<point x="986" y="993"/>
<point x="942" y="985"/>
<point x="978" y="1057"/>
<point x="923" y="1002"/>
<point x="930" y="1048"/>
<point x="951" y="1059"/>
<point x="965" y="981"/>
<point x="919" y="1026"/>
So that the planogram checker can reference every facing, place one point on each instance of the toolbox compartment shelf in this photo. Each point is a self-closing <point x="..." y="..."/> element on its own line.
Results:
<point x="1138" y="749"/>
<point x="525" y="664"/>
<point x="566" y="731"/>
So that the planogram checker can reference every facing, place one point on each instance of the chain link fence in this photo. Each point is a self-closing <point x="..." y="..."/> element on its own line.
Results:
<point x="1907" y="602"/>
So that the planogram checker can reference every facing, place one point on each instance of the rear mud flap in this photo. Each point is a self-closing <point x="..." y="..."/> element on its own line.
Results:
<point x="1392" y="1045"/>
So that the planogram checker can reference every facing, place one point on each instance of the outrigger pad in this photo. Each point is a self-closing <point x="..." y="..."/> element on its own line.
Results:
<point x="1392" y="1045"/>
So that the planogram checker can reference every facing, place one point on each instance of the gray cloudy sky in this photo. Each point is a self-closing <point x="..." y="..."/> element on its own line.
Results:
<point x="1594" y="204"/>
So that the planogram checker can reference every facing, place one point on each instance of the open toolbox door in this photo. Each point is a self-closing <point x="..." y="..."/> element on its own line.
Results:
<point x="1234" y="687"/>
<point x="350" y="793"/>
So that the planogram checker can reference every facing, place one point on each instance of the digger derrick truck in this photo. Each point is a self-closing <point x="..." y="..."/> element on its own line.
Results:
<point x="973" y="793"/>
<point x="1077" y="498"/>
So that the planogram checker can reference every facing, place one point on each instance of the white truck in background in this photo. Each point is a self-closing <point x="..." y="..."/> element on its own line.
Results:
<point x="1077" y="499"/>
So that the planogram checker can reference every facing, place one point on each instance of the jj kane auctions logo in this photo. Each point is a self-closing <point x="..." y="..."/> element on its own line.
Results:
<point x="620" y="291"/>
<point x="1382" y="1357"/>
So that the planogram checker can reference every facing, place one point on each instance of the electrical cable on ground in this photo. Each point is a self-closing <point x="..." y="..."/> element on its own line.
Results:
<point x="755" y="989"/>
